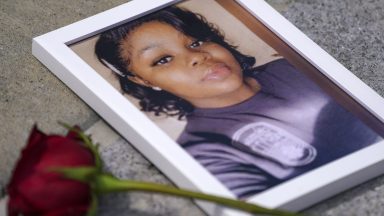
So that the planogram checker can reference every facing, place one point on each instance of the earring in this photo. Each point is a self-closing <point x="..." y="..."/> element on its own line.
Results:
<point x="156" y="88"/>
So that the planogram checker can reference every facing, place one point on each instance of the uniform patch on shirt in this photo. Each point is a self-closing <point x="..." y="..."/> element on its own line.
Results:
<point x="274" y="143"/>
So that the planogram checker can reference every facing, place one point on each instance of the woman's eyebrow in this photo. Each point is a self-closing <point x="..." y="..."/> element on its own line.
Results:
<point x="147" y="48"/>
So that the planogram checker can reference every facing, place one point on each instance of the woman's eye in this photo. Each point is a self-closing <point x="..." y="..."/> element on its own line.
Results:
<point x="196" y="43"/>
<point x="162" y="61"/>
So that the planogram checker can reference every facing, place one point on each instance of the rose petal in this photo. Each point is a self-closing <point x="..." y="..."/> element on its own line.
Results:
<point x="26" y="164"/>
<point x="35" y="189"/>
<point x="73" y="211"/>
<point x="63" y="152"/>
<point x="48" y="191"/>
<point x="17" y="205"/>
<point x="73" y="134"/>
<point x="35" y="137"/>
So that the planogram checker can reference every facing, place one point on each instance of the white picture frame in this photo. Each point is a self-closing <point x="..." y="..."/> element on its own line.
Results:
<point x="53" y="51"/>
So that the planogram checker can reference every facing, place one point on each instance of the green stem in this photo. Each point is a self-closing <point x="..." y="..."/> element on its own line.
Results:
<point x="92" y="210"/>
<point x="106" y="183"/>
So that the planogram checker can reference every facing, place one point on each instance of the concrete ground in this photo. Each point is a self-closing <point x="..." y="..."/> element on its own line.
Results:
<point x="352" y="31"/>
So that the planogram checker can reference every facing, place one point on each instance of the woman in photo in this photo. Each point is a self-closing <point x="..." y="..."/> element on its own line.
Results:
<point x="251" y="127"/>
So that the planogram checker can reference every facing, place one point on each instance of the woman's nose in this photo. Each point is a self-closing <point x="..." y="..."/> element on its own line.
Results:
<point x="198" y="57"/>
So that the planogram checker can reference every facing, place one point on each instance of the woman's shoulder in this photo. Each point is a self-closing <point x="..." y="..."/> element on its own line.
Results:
<point x="277" y="71"/>
<point x="280" y="76"/>
<point x="278" y="65"/>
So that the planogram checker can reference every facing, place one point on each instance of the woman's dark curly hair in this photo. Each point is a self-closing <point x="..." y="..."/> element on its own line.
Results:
<point x="194" y="25"/>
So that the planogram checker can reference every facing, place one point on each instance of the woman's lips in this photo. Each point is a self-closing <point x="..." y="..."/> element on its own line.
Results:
<point x="217" y="72"/>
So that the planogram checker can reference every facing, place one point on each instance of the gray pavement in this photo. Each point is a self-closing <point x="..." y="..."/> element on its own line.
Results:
<point x="352" y="31"/>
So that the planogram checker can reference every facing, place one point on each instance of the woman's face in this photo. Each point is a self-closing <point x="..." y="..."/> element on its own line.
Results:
<point x="199" y="72"/>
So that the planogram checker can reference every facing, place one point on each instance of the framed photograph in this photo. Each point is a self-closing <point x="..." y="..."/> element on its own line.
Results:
<point x="224" y="97"/>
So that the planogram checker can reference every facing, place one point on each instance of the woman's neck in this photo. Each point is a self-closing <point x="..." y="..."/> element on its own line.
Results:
<point x="249" y="88"/>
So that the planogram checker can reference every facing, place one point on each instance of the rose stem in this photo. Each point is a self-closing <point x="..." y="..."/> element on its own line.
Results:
<point x="107" y="183"/>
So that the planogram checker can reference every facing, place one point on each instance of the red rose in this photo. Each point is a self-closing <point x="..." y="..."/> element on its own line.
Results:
<point x="34" y="189"/>
<point x="38" y="186"/>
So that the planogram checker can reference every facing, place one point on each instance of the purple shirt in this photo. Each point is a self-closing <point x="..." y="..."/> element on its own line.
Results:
<point x="289" y="127"/>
